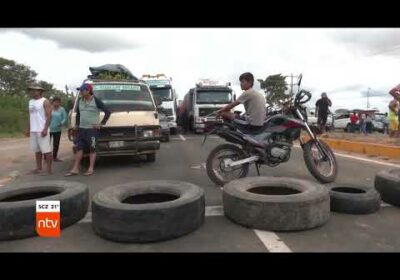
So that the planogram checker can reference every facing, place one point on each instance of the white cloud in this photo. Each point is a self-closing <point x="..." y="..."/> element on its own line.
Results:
<point x="331" y="60"/>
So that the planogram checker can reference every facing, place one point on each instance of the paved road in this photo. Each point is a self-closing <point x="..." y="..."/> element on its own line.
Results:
<point x="183" y="159"/>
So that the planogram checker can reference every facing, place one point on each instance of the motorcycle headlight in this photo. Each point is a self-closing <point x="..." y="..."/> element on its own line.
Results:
<point x="148" y="133"/>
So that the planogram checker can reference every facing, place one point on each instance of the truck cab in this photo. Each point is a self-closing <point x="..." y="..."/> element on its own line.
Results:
<point x="162" y="87"/>
<point x="133" y="127"/>
<point x="208" y="96"/>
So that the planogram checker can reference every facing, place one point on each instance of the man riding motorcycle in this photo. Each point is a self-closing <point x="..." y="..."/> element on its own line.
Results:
<point x="254" y="103"/>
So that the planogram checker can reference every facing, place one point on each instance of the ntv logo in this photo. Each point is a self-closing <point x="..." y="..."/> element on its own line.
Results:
<point x="48" y="218"/>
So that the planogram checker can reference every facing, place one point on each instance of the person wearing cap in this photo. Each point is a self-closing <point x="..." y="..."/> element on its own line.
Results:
<point x="38" y="128"/>
<point x="87" y="121"/>
<point x="322" y="110"/>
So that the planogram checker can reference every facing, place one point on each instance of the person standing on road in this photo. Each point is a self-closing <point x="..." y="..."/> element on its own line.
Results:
<point x="353" y="120"/>
<point x="363" y="123"/>
<point x="385" y="124"/>
<point x="393" y="118"/>
<point x="254" y="104"/>
<point x="87" y="122"/>
<point x="58" y="119"/>
<point x="38" y="128"/>
<point x="368" y="123"/>
<point x="322" y="109"/>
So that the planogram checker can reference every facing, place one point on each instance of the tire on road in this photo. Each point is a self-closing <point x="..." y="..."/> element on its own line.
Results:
<point x="276" y="204"/>
<point x="387" y="183"/>
<point x="353" y="199"/>
<point x="148" y="211"/>
<point x="18" y="206"/>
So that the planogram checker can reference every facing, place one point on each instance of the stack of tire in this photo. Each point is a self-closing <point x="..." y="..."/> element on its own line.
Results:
<point x="145" y="211"/>
<point x="286" y="204"/>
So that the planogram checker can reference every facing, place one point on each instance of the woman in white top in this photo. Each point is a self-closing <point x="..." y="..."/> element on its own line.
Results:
<point x="38" y="128"/>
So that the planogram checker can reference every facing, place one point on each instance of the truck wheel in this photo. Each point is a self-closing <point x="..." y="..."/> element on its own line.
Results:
<point x="151" y="157"/>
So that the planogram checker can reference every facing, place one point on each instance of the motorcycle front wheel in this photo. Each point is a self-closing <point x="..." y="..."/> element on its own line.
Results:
<point x="324" y="170"/>
<point x="216" y="169"/>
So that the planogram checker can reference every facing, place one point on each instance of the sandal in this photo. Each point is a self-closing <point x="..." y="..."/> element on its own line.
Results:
<point x="70" y="174"/>
<point x="88" y="173"/>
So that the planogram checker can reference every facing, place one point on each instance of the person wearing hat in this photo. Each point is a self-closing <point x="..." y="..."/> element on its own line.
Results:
<point x="38" y="128"/>
<point x="87" y="121"/>
<point x="322" y="110"/>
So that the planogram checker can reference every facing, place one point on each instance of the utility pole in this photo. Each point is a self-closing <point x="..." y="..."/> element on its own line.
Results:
<point x="291" y="84"/>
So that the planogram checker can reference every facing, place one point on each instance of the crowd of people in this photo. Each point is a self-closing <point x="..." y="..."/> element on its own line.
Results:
<point x="46" y="119"/>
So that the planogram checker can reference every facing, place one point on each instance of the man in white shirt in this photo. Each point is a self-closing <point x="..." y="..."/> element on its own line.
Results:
<point x="38" y="128"/>
<point x="254" y="103"/>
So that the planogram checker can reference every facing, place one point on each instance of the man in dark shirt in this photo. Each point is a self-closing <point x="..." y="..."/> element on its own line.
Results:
<point x="322" y="110"/>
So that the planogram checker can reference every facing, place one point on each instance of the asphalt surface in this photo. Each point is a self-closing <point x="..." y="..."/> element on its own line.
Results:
<point x="183" y="159"/>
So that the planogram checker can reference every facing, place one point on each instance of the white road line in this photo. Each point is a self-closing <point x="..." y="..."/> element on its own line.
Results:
<point x="214" y="211"/>
<point x="272" y="242"/>
<point x="363" y="159"/>
<point x="383" y="204"/>
<point x="182" y="137"/>
<point x="211" y="211"/>
<point x="87" y="218"/>
<point x="369" y="160"/>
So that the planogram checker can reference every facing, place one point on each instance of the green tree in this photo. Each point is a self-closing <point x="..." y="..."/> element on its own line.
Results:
<point x="14" y="77"/>
<point x="274" y="87"/>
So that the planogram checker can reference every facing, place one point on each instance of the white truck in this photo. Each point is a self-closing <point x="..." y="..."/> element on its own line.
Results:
<point x="208" y="96"/>
<point x="161" y="86"/>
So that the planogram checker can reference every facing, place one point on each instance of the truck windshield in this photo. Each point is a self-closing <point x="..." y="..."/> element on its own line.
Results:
<point x="165" y="94"/>
<point x="213" y="97"/>
<point x="124" y="97"/>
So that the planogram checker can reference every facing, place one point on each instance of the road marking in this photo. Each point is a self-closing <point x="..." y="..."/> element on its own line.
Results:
<point x="369" y="160"/>
<point x="211" y="211"/>
<point x="217" y="210"/>
<point x="272" y="242"/>
<point x="87" y="218"/>
<point x="383" y="204"/>
<point x="182" y="137"/>
<point x="362" y="159"/>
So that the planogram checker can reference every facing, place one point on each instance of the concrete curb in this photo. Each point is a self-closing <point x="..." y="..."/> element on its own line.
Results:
<point x="370" y="149"/>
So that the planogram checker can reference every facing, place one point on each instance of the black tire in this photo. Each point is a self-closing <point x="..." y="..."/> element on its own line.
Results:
<point x="173" y="131"/>
<point x="18" y="216"/>
<point x="387" y="183"/>
<point x="352" y="199"/>
<point x="151" y="157"/>
<point x="148" y="222"/>
<point x="210" y="172"/>
<point x="309" y="208"/>
<point x="324" y="179"/>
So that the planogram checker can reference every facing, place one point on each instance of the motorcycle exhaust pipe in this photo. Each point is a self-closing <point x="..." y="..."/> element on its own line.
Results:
<point x="230" y="163"/>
